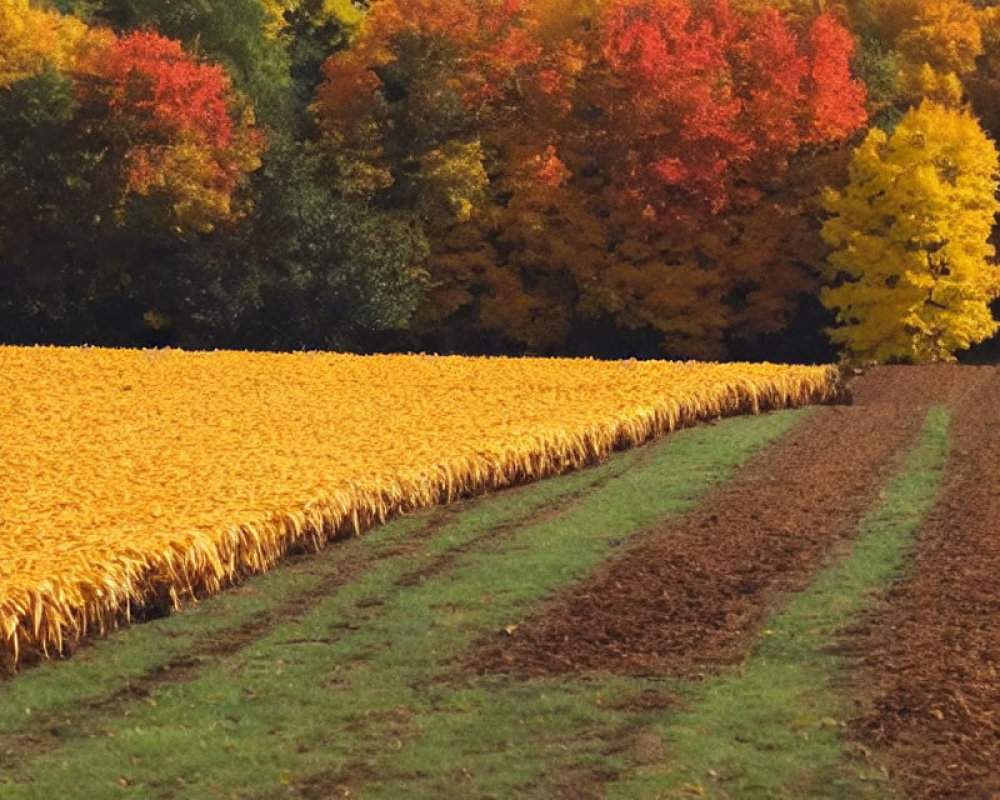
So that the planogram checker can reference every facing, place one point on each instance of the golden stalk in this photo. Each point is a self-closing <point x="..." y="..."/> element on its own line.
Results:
<point x="137" y="477"/>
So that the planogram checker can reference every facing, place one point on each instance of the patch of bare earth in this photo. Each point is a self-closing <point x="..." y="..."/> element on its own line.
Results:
<point x="692" y="594"/>
<point x="573" y="783"/>
<point x="931" y="653"/>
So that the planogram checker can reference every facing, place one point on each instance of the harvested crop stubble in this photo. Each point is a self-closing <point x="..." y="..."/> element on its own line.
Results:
<point x="127" y="477"/>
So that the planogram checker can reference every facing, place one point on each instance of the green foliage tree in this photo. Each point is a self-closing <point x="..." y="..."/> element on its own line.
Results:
<point x="307" y="268"/>
<point x="233" y="33"/>
<point x="47" y="187"/>
<point x="909" y="276"/>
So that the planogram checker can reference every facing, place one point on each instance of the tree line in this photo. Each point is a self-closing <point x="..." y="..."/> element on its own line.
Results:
<point x="678" y="178"/>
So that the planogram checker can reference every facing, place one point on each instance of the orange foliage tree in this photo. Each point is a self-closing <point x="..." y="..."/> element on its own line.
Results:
<point x="33" y="38"/>
<point x="578" y="161"/>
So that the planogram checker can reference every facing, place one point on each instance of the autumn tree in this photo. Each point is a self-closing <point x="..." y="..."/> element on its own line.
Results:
<point x="122" y="145"/>
<point x="402" y="109"/>
<point x="711" y="102"/>
<point x="409" y="112"/>
<point x="705" y="110"/>
<point x="940" y="48"/>
<point x="936" y="45"/>
<point x="618" y="161"/>
<point x="910" y="273"/>
<point x="945" y="34"/>
<point x="33" y="39"/>
<point x="180" y="131"/>
<point x="158" y="120"/>
<point x="234" y="34"/>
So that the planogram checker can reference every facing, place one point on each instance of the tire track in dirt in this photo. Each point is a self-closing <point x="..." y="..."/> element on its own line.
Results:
<point x="692" y="594"/>
<point x="931" y="653"/>
<point x="495" y="536"/>
<point x="46" y="730"/>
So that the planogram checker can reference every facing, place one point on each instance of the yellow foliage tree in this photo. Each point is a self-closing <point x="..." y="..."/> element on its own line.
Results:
<point x="939" y="42"/>
<point x="340" y="12"/>
<point x="32" y="38"/>
<point x="945" y="34"/>
<point x="910" y="276"/>
<point x="925" y="82"/>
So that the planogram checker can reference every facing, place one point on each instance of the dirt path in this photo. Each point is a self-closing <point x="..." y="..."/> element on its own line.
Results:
<point x="932" y="653"/>
<point x="692" y="594"/>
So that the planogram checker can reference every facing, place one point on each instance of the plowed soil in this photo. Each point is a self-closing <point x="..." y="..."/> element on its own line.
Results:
<point x="692" y="594"/>
<point x="932" y="653"/>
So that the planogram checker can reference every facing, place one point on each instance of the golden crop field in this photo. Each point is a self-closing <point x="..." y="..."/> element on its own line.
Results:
<point x="129" y="474"/>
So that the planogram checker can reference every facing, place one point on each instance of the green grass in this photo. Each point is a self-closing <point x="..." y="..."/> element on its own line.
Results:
<point x="352" y="683"/>
<point x="351" y="688"/>
<point x="771" y="729"/>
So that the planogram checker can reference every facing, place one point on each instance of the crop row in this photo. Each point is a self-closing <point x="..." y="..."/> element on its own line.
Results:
<point x="129" y="478"/>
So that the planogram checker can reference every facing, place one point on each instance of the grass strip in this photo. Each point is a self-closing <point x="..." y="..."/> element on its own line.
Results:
<point x="359" y="691"/>
<point x="102" y="667"/>
<point x="771" y="729"/>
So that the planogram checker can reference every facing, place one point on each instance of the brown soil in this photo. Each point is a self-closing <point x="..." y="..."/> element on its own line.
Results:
<point x="691" y="595"/>
<point x="931" y="654"/>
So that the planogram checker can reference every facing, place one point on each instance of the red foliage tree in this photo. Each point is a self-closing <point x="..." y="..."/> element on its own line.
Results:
<point x="836" y="102"/>
<point x="707" y="103"/>
<point x="186" y="135"/>
<point x="151" y="77"/>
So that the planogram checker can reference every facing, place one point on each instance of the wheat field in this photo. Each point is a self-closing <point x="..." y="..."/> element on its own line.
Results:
<point x="129" y="477"/>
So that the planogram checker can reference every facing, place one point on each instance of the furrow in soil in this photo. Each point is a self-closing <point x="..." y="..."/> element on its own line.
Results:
<point x="690" y="595"/>
<point x="931" y="653"/>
